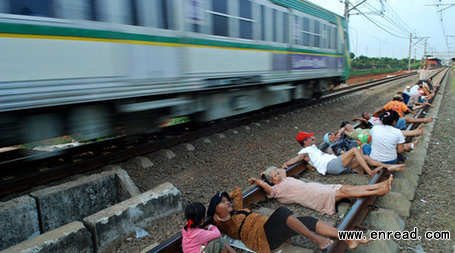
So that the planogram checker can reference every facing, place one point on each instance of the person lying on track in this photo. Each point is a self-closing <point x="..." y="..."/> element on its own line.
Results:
<point x="387" y="141"/>
<point x="364" y="138"/>
<point x="263" y="234"/>
<point x="401" y="108"/>
<point x="368" y="120"/>
<point x="316" y="196"/>
<point x="352" y="160"/>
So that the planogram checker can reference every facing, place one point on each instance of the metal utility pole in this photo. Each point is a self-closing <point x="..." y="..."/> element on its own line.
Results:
<point x="409" y="57"/>
<point x="346" y="10"/>
<point x="425" y="48"/>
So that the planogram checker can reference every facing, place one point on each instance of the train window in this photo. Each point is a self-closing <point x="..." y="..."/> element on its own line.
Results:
<point x="219" y="18"/>
<point x="195" y="15"/>
<point x="155" y="13"/>
<point x="43" y="8"/>
<point x="306" y="35"/>
<point x="163" y="20"/>
<point x="4" y="6"/>
<point x="317" y="34"/>
<point x="297" y="30"/>
<point x="115" y="11"/>
<point x="324" y="36"/>
<point x="286" y="28"/>
<point x="334" y="38"/>
<point x="70" y="9"/>
<point x="263" y="22"/>
<point x="274" y="32"/>
<point x="246" y="21"/>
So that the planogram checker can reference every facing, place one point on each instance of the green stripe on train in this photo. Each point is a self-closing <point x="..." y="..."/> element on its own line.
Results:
<point x="46" y="30"/>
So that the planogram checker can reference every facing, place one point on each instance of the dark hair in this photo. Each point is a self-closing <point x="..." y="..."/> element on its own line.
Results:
<point x="194" y="214"/>
<point x="363" y="114"/>
<point x="344" y="123"/>
<point x="389" y="117"/>
<point x="214" y="201"/>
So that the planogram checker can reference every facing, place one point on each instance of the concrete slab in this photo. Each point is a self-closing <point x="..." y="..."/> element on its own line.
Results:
<point x="71" y="238"/>
<point x="139" y="162"/>
<point x="385" y="219"/>
<point x="72" y="201"/>
<point x="112" y="224"/>
<point x="127" y="187"/>
<point x="18" y="221"/>
<point x="404" y="187"/>
<point x="409" y="175"/>
<point x="397" y="202"/>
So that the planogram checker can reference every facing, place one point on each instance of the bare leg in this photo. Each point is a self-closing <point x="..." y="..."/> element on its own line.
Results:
<point x="418" y="120"/>
<point x="330" y="231"/>
<point x="359" y="191"/>
<point x="416" y="132"/>
<point x="295" y="224"/>
<point x="347" y="157"/>
<point x="389" y="167"/>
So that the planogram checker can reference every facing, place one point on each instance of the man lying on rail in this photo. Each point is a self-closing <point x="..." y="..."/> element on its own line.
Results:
<point x="316" y="196"/>
<point x="264" y="234"/>
<point x="336" y="165"/>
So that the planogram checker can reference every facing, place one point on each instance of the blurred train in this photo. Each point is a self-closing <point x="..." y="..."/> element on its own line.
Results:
<point x="88" y="68"/>
<point x="432" y="63"/>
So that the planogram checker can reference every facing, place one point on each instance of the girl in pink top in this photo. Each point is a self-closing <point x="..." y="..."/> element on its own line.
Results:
<point x="196" y="239"/>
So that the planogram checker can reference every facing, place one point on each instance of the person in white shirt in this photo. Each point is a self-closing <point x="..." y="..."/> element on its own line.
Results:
<point x="387" y="141"/>
<point x="335" y="165"/>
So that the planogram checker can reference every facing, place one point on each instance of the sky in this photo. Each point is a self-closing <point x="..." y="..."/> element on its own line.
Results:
<point x="406" y="16"/>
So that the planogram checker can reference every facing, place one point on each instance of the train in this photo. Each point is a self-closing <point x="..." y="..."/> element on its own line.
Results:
<point x="97" y="68"/>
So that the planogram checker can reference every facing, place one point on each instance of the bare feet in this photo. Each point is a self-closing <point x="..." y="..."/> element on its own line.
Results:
<point x="389" y="182"/>
<point x="352" y="244"/>
<point x="427" y="120"/>
<point x="375" y="171"/>
<point x="385" y="186"/>
<point x="396" y="167"/>
<point x="420" y="130"/>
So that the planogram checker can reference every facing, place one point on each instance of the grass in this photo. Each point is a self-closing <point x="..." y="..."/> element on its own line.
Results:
<point x="363" y="72"/>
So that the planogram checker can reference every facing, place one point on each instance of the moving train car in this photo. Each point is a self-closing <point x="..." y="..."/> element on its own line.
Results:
<point x="90" y="67"/>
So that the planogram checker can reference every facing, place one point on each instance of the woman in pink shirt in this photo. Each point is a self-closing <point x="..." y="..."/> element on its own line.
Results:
<point x="196" y="239"/>
<point x="316" y="196"/>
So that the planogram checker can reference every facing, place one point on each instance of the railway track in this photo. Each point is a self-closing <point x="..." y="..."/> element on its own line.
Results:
<point x="22" y="171"/>
<point x="351" y="221"/>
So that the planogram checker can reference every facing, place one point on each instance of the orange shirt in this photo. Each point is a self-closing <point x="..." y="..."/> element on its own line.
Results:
<point x="397" y="106"/>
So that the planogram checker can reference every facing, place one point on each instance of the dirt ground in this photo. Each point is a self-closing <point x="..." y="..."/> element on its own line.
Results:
<point x="367" y="78"/>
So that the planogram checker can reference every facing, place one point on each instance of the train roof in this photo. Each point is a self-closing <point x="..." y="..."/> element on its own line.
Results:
<point x="310" y="8"/>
